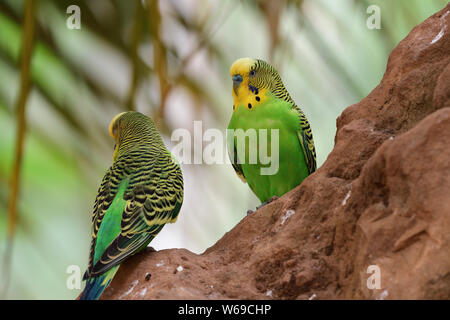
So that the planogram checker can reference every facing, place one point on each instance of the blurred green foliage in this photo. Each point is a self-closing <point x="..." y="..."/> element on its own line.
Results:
<point x="170" y="60"/>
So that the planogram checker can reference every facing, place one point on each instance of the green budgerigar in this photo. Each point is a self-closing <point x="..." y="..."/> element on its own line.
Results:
<point x="139" y="194"/>
<point x="262" y="102"/>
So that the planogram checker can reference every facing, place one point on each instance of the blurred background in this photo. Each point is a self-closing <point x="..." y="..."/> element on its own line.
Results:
<point x="169" y="60"/>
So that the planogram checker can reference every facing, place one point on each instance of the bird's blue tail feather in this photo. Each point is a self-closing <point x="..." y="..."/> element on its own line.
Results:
<point x="96" y="285"/>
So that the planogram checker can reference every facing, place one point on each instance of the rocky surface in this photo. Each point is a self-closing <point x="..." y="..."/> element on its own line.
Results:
<point x="382" y="198"/>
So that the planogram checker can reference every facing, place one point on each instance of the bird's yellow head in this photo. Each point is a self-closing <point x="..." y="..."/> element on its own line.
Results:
<point x="130" y="128"/>
<point x="253" y="79"/>
<point x="114" y="132"/>
<point x="113" y="126"/>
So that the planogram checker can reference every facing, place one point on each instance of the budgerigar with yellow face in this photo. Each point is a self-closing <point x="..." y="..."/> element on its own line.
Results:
<point x="139" y="194"/>
<point x="260" y="101"/>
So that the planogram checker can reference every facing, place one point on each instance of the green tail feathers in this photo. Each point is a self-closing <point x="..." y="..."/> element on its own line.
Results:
<point x="96" y="285"/>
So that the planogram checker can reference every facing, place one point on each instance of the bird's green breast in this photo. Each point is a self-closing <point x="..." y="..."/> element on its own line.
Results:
<point x="273" y="113"/>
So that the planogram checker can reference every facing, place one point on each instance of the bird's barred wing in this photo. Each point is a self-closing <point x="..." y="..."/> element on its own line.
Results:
<point x="307" y="142"/>
<point x="105" y="195"/>
<point x="153" y="198"/>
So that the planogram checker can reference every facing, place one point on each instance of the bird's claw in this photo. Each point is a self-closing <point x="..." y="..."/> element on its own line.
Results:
<point x="267" y="202"/>
<point x="262" y="204"/>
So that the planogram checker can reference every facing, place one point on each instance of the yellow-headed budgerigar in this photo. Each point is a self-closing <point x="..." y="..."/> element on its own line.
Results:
<point x="262" y="102"/>
<point x="139" y="194"/>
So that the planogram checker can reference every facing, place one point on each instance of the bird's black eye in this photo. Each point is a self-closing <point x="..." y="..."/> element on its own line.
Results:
<point x="252" y="73"/>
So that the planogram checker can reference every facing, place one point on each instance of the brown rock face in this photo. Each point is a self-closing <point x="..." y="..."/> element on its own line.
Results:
<point x="381" y="199"/>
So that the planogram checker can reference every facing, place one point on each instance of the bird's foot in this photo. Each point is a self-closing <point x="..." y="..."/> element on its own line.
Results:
<point x="263" y="204"/>
<point x="267" y="202"/>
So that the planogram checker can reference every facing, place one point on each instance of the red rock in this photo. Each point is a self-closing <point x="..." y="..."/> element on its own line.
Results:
<point x="382" y="198"/>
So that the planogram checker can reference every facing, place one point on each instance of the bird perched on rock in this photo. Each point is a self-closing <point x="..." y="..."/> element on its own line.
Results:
<point x="139" y="194"/>
<point x="262" y="102"/>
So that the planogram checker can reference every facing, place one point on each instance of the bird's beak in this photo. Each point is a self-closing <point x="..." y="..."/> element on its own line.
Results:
<point x="237" y="79"/>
